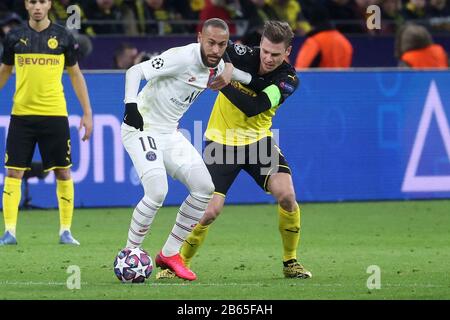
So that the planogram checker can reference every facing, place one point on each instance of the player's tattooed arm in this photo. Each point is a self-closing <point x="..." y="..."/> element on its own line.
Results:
<point x="222" y="79"/>
<point x="230" y="73"/>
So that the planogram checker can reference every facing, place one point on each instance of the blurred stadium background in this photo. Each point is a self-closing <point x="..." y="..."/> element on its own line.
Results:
<point x="109" y="26"/>
<point x="372" y="132"/>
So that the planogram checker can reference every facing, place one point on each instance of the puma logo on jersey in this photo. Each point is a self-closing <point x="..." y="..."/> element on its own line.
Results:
<point x="24" y="41"/>
<point x="192" y="79"/>
<point x="66" y="199"/>
<point x="8" y="193"/>
<point x="292" y="77"/>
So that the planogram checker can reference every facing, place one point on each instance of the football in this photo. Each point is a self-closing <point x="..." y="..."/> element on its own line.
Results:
<point x="133" y="265"/>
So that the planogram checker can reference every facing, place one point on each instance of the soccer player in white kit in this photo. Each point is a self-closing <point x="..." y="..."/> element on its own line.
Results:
<point x="149" y="134"/>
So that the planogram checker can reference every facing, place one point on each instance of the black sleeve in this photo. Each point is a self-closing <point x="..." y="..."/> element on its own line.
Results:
<point x="242" y="57"/>
<point x="226" y="57"/>
<point x="8" y="49"/>
<point x="250" y="106"/>
<point x="257" y="84"/>
<point x="71" y="54"/>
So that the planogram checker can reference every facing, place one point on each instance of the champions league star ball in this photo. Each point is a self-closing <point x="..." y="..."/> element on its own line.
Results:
<point x="133" y="265"/>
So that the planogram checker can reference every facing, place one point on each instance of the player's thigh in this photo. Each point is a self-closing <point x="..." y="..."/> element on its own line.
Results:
<point x="20" y="142"/>
<point x="183" y="162"/>
<point x="223" y="165"/>
<point x="264" y="159"/>
<point x="54" y="143"/>
<point x="144" y="149"/>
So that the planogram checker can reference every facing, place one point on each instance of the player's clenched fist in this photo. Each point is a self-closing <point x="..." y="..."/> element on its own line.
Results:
<point x="132" y="117"/>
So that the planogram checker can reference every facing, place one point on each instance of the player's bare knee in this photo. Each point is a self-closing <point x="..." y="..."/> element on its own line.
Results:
<point x="16" y="174"/>
<point x="62" y="174"/>
<point x="287" y="201"/>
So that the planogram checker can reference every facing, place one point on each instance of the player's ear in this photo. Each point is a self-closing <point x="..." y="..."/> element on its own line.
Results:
<point x="199" y="37"/>
<point x="288" y="50"/>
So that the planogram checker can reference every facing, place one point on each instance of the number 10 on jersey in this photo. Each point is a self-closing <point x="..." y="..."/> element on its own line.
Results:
<point x="151" y="143"/>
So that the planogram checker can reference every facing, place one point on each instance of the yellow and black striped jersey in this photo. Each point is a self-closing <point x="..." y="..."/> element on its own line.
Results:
<point x="229" y="125"/>
<point x="39" y="59"/>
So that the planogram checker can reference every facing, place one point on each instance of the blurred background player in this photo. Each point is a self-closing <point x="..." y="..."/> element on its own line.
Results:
<point x="8" y="22"/>
<point x="414" y="47"/>
<point x="325" y="46"/>
<point x="127" y="55"/>
<point x="40" y="50"/>
<point x="239" y="128"/>
<point x="150" y="136"/>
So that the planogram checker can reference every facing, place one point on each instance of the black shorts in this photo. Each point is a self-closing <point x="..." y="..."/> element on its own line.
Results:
<point x="260" y="160"/>
<point x="52" y="135"/>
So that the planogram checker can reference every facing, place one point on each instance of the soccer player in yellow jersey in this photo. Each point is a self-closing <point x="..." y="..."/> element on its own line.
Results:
<point x="239" y="138"/>
<point x="39" y="51"/>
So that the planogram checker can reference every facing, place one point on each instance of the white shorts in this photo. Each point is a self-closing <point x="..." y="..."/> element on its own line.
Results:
<point x="151" y="150"/>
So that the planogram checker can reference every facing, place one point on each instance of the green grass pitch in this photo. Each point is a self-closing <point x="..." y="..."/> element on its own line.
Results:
<point x="241" y="258"/>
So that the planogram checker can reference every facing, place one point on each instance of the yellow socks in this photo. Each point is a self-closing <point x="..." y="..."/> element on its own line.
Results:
<point x="65" y="194"/>
<point x="12" y="193"/>
<point x="289" y="226"/>
<point x="193" y="242"/>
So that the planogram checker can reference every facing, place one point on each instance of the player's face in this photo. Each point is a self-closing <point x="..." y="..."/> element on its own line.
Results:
<point x="272" y="55"/>
<point x="213" y="42"/>
<point x="38" y="9"/>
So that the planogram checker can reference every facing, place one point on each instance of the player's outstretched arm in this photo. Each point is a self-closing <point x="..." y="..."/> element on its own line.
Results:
<point x="80" y="88"/>
<point x="230" y="73"/>
<point x="253" y="105"/>
<point x="133" y="78"/>
<point x="5" y="73"/>
<point x="222" y="79"/>
<point x="169" y="63"/>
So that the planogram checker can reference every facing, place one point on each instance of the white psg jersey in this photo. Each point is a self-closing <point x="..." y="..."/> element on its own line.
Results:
<point x="175" y="79"/>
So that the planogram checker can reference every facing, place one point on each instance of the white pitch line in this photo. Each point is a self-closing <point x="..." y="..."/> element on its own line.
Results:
<point x="34" y="283"/>
<point x="231" y="284"/>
